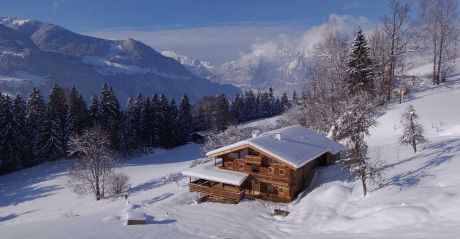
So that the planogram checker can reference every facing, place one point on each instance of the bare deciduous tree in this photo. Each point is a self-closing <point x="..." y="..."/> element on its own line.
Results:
<point x="438" y="21"/>
<point x="397" y="30"/>
<point x="95" y="163"/>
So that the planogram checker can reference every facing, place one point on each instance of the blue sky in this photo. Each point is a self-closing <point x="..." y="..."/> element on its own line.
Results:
<point x="209" y="29"/>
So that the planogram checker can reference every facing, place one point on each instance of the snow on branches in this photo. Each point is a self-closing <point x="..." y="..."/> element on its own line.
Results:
<point x="412" y="130"/>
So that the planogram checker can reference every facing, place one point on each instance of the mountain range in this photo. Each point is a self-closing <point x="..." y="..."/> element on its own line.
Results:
<point x="285" y="72"/>
<point x="38" y="54"/>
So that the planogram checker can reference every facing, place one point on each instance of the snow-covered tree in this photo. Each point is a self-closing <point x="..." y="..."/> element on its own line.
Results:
<point x="360" y="71"/>
<point x="53" y="134"/>
<point x="184" y="123"/>
<point x="412" y="130"/>
<point x="352" y="127"/>
<point x="94" y="111"/>
<point x="35" y="119"/>
<point x="9" y="144"/>
<point x="109" y="115"/>
<point x="95" y="163"/>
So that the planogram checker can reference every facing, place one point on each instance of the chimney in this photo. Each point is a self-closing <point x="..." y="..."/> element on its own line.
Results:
<point x="255" y="133"/>
<point x="278" y="136"/>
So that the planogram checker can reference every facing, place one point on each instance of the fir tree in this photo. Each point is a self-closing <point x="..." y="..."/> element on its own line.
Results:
<point x="184" y="120"/>
<point x="9" y="144"/>
<point x="22" y="136"/>
<point x="35" y="122"/>
<point x="94" y="111"/>
<point x="360" y="72"/>
<point x="54" y="143"/>
<point x="412" y="130"/>
<point x="109" y="115"/>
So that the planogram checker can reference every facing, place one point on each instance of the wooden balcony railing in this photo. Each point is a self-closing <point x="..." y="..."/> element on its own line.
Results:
<point x="252" y="159"/>
<point x="208" y="190"/>
<point x="270" y="178"/>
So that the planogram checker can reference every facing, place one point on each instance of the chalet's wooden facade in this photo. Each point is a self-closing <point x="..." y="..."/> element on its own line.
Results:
<point x="267" y="176"/>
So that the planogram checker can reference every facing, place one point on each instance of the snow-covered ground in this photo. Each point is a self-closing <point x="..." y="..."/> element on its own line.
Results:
<point x="419" y="196"/>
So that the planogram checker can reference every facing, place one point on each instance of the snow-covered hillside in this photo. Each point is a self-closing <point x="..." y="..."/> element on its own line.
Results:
<point x="419" y="196"/>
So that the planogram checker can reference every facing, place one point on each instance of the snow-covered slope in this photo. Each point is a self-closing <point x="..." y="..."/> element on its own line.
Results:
<point x="419" y="196"/>
<point x="197" y="67"/>
<point x="71" y="59"/>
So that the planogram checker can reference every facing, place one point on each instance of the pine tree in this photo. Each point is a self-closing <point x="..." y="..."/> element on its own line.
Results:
<point x="35" y="122"/>
<point x="148" y="126"/>
<point x="174" y="130"/>
<point x="294" y="97"/>
<point x="22" y="136"/>
<point x="155" y="120"/>
<point x="54" y="144"/>
<point x="109" y="115"/>
<point x="9" y="144"/>
<point x="94" y="111"/>
<point x="285" y="101"/>
<point x="353" y="126"/>
<point x="360" y="72"/>
<point x="412" y="130"/>
<point x="77" y="114"/>
<point x="184" y="120"/>
<point x="164" y="121"/>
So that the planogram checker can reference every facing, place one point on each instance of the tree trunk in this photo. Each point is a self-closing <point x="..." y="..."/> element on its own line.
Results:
<point x="441" y="45"/>
<point x="414" y="145"/>
<point x="98" y="189"/>
<point x="363" y="180"/>
<point x="435" y="50"/>
<point x="401" y="84"/>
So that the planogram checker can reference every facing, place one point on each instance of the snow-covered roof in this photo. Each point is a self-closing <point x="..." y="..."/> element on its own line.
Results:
<point x="211" y="172"/>
<point x="297" y="146"/>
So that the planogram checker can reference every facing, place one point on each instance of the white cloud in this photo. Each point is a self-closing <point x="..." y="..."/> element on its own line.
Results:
<point x="274" y="50"/>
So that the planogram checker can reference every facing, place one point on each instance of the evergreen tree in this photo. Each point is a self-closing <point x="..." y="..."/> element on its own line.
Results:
<point x="54" y="143"/>
<point x="184" y="120"/>
<point x="148" y="126"/>
<point x="77" y="113"/>
<point x="174" y="130"/>
<point x="412" y="130"/>
<point x="164" y="121"/>
<point x="360" y="72"/>
<point x="285" y="101"/>
<point x="109" y="115"/>
<point x="155" y="120"/>
<point x="22" y="136"/>
<point x="35" y="122"/>
<point x="294" y="97"/>
<point x="9" y="144"/>
<point x="94" y="111"/>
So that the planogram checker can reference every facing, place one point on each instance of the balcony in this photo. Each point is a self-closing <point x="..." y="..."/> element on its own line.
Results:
<point x="252" y="159"/>
<point x="217" y="190"/>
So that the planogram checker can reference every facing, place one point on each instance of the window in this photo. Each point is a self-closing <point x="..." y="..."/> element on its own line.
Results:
<point x="241" y="166"/>
<point x="266" y="160"/>
<point x="269" y="188"/>
<point x="233" y="155"/>
<point x="280" y="190"/>
<point x="271" y="170"/>
<point x="254" y="153"/>
<point x="281" y="171"/>
<point x="255" y="169"/>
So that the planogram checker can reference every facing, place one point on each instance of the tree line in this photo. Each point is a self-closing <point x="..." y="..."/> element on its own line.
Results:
<point x="33" y="130"/>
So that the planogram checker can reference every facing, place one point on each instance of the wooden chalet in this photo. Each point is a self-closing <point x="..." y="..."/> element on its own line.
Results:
<point x="275" y="165"/>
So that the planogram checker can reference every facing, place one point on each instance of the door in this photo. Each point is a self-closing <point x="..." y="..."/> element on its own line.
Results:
<point x="255" y="187"/>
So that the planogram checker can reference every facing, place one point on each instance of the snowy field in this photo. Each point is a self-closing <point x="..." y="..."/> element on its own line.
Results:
<point x="419" y="196"/>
